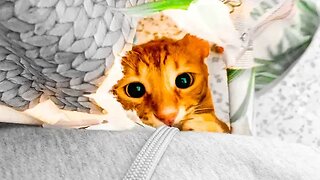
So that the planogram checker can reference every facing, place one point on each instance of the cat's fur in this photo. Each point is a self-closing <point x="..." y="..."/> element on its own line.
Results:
<point x="156" y="65"/>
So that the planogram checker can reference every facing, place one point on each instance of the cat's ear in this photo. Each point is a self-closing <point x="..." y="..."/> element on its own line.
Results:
<point x="196" y="45"/>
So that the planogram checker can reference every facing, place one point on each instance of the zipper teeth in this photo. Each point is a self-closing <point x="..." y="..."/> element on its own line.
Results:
<point x="141" y="155"/>
<point x="144" y="153"/>
<point x="147" y="159"/>
<point x="160" y="151"/>
<point x="151" y="141"/>
<point x="141" y="163"/>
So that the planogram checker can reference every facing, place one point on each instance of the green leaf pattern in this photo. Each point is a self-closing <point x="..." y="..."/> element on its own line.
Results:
<point x="269" y="71"/>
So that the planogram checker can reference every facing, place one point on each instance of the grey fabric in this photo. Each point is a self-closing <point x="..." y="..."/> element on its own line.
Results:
<point x="37" y="153"/>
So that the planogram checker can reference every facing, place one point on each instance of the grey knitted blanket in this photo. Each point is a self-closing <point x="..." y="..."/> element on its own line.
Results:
<point x="37" y="153"/>
<point x="59" y="49"/>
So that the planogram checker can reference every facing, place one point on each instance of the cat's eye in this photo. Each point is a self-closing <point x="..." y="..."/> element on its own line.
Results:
<point x="184" y="80"/>
<point x="135" y="90"/>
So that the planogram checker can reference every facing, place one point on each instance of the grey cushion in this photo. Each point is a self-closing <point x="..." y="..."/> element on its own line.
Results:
<point x="35" y="153"/>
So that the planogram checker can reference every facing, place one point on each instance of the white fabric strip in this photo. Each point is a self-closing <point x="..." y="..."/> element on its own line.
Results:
<point x="249" y="32"/>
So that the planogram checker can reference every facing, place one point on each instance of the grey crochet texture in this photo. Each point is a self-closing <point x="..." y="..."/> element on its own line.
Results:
<point x="59" y="49"/>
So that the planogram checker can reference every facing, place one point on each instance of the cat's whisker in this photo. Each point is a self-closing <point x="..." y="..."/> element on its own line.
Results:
<point x="196" y="106"/>
<point x="193" y="107"/>
<point x="198" y="109"/>
<point x="186" y="119"/>
<point x="203" y="110"/>
<point x="179" y="124"/>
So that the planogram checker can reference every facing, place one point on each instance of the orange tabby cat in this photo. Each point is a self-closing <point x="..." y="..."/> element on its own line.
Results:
<point x="166" y="82"/>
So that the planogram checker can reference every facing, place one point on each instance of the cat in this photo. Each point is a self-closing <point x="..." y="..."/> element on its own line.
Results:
<point x="166" y="82"/>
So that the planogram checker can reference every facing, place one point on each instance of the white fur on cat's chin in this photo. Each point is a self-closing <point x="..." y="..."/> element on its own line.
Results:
<point x="117" y="117"/>
<point x="181" y="114"/>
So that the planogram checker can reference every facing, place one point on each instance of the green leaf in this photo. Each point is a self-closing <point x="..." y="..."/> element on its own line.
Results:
<point x="242" y="111"/>
<point x="309" y="17"/>
<point x="308" y="7"/>
<point x="262" y="61"/>
<point x="157" y="6"/>
<point x="280" y="47"/>
<point x="233" y="73"/>
<point x="291" y="37"/>
<point x="264" y="79"/>
<point x="270" y="70"/>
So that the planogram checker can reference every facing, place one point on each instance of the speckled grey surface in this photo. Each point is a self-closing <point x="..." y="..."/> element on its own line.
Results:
<point x="219" y="85"/>
<point x="290" y="110"/>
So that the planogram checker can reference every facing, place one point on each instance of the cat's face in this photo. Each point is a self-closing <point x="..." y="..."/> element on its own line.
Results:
<point x="165" y="81"/>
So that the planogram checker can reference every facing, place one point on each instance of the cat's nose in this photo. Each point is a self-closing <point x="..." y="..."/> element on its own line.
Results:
<point x="167" y="115"/>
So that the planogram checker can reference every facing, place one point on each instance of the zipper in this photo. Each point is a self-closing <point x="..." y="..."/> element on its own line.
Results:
<point x="151" y="153"/>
